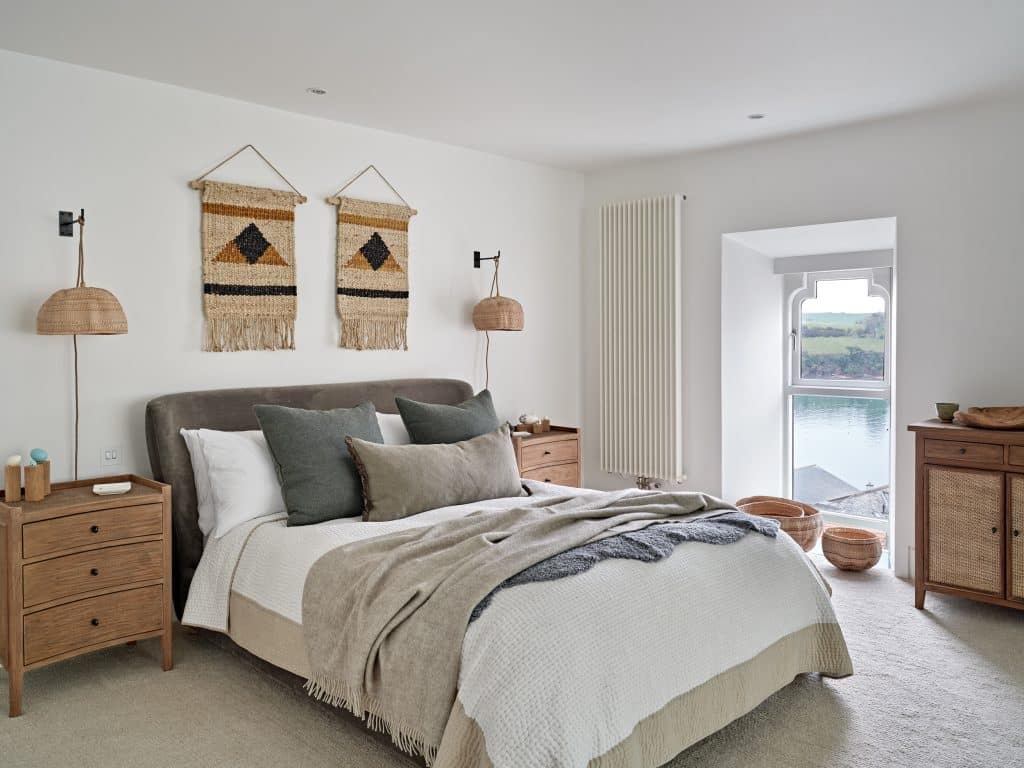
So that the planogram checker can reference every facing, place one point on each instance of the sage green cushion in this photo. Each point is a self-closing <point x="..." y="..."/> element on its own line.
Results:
<point x="434" y="423"/>
<point x="318" y="477"/>
<point x="403" y="480"/>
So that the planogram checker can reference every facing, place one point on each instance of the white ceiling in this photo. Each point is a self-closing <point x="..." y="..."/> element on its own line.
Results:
<point x="573" y="83"/>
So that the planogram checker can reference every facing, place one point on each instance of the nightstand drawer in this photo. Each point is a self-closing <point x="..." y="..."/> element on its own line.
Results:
<point x="74" y="531"/>
<point x="554" y="452"/>
<point x="559" y="474"/>
<point x="95" y="569"/>
<point x="92" y="621"/>
<point x="963" y="451"/>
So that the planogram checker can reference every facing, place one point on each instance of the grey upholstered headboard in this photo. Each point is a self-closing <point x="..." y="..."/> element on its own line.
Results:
<point x="231" y="409"/>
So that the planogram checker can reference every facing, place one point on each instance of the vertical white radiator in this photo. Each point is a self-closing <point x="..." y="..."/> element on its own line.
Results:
<point x="641" y="328"/>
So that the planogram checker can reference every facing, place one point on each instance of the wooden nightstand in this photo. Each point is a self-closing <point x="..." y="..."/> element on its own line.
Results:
<point x="551" y="457"/>
<point x="80" y="572"/>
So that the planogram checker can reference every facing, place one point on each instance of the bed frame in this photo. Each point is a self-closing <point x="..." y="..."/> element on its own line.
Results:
<point x="231" y="410"/>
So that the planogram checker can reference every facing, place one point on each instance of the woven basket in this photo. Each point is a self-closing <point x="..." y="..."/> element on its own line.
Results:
<point x="498" y="313"/>
<point x="82" y="310"/>
<point x="851" y="549"/>
<point x="801" y="521"/>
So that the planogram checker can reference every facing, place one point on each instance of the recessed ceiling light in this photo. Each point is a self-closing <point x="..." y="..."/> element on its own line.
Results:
<point x="755" y="116"/>
<point x="316" y="91"/>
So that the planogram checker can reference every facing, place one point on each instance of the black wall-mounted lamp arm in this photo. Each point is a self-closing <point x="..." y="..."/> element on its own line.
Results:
<point x="66" y="222"/>
<point x="477" y="258"/>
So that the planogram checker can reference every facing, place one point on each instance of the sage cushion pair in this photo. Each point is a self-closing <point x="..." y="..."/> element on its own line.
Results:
<point x="318" y="477"/>
<point x="403" y="480"/>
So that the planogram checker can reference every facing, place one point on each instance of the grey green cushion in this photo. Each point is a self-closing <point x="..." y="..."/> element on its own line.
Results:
<point x="434" y="423"/>
<point x="318" y="477"/>
<point x="403" y="480"/>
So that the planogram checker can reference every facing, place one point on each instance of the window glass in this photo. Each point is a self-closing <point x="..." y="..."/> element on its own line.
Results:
<point x="841" y="454"/>
<point x="842" y="333"/>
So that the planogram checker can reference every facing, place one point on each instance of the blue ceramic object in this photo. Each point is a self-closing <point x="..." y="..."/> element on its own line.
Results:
<point x="38" y="454"/>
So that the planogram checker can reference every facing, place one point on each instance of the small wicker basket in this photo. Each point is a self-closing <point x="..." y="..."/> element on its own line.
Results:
<point x="801" y="521"/>
<point x="851" y="549"/>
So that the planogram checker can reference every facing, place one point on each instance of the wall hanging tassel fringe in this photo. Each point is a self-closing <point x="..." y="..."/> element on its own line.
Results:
<point x="249" y="292"/>
<point x="372" y="271"/>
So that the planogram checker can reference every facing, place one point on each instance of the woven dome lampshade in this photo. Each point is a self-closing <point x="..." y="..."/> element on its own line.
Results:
<point x="498" y="313"/>
<point x="82" y="311"/>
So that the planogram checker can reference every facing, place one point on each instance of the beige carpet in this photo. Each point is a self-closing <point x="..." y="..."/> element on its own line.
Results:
<point x="940" y="688"/>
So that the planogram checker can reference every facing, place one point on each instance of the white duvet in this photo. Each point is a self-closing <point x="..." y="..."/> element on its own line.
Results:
<point x="557" y="673"/>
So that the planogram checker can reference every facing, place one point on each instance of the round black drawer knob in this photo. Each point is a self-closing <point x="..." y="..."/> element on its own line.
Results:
<point x="963" y="451"/>
<point x="94" y="571"/>
<point x="94" y="528"/>
<point x="1016" y="532"/>
<point x="547" y="453"/>
<point x="95" y="622"/>
<point x="994" y="529"/>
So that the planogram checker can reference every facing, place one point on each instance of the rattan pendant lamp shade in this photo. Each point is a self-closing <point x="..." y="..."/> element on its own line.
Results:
<point x="497" y="312"/>
<point x="81" y="311"/>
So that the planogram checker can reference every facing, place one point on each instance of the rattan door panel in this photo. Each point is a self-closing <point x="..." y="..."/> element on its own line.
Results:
<point x="965" y="528"/>
<point x="1015" y="582"/>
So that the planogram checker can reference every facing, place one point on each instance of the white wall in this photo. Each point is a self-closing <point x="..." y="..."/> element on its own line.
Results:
<point x="124" y="149"/>
<point x="953" y="180"/>
<point x="752" y="363"/>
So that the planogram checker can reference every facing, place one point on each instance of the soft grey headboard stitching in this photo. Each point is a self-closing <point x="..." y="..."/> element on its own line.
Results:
<point x="231" y="409"/>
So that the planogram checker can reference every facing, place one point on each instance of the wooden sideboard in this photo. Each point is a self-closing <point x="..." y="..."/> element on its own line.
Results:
<point x="969" y="513"/>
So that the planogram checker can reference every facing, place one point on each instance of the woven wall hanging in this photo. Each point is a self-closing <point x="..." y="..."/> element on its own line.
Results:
<point x="372" y="271"/>
<point x="249" y="292"/>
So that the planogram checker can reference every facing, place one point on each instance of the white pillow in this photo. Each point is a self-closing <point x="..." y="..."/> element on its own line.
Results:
<point x="241" y="479"/>
<point x="201" y="477"/>
<point x="393" y="430"/>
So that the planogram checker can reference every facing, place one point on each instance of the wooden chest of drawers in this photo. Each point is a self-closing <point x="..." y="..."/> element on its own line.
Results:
<point x="551" y="457"/>
<point x="80" y="572"/>
<point x="970" y="513"/>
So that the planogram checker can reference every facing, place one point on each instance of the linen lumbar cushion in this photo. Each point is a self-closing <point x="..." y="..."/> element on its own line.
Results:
<point x="235" y="478"/>
<point x="435" y="423"/>
<point x="403" y="480"/>
<point x="318" y="478"/>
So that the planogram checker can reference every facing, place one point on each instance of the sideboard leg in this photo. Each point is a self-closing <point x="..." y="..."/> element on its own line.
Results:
<point x="14" y="687"/>
<point x="919" y="598"/>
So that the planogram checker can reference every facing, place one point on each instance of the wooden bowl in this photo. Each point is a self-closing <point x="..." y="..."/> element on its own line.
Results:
<point x="801" y="521"/>
<point x="998" y="417"/>
<point x="851" y="549"/>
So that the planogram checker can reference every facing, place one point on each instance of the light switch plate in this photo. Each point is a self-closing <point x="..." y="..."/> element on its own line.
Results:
<point x="111" y="456"/>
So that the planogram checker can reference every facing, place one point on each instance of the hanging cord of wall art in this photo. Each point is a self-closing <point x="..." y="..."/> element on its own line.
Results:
<point x="334" y="199"/>
<point x="197" y="183"/>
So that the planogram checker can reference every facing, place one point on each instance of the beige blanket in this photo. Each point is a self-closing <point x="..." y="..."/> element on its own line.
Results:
<point x="384" y="619"/>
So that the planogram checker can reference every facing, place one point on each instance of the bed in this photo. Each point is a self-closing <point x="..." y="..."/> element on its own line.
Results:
<point x="625" y="664"/>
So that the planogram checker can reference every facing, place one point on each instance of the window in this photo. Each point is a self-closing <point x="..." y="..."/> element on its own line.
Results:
<point x="838" y="393"/>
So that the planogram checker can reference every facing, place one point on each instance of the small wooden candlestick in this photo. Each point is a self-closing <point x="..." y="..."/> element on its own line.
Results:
<point x="46" y="476"/>
<point x="12" y="483"/>
<point x="35" y="487"/>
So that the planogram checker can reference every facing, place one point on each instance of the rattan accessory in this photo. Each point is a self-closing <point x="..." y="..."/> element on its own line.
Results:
<point x="801" y="521"/>
<point x="851" y="549"/>
<point x="495" y="313"/>
<point x="81" y="311"/>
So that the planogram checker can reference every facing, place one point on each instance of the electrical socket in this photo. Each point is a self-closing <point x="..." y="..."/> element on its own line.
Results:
<point x="111" y="456"/>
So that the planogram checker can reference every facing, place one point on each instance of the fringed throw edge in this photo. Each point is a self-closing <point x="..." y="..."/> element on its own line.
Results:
<point x="236" y="334"/>
<point x="373" y="333"/>
<point x="409" y="739"/>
